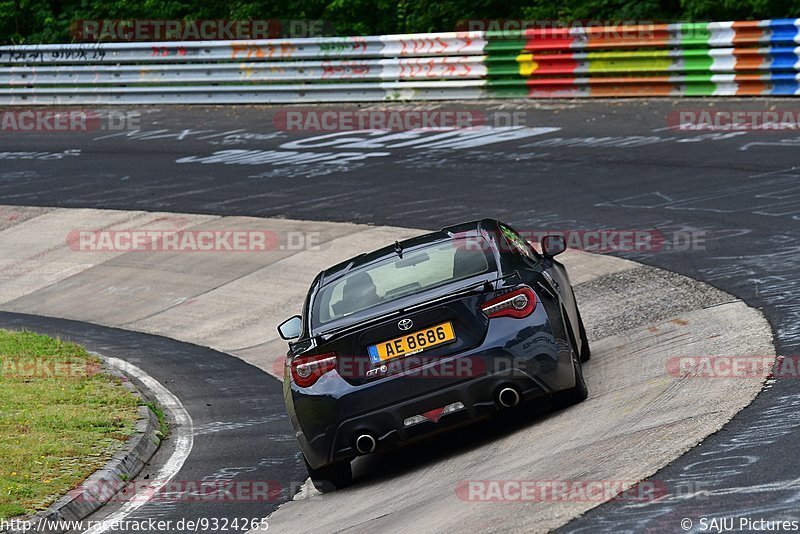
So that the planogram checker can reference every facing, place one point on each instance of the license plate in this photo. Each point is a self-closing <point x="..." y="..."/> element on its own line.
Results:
<point x="412" y="343"/>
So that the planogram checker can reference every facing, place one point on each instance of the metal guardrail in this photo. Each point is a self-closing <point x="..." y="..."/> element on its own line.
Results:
<point x="718" y="58"/>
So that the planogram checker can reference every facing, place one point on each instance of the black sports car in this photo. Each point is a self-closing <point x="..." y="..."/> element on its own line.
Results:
<point x="425" y="334"/>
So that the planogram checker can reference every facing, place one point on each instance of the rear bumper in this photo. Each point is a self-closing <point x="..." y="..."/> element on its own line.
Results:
<point x="386" y="425"/>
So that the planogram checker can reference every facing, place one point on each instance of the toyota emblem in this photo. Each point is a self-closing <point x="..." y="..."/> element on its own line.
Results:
<point x="405" y="324"/>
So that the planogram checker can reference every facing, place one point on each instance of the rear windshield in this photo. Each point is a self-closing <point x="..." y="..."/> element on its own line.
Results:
<point x="395" y="277"/>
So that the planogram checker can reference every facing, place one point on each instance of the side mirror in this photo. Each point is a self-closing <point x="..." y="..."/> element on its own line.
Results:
<point x="552" y="245"/>
<point x="290" y="328"/>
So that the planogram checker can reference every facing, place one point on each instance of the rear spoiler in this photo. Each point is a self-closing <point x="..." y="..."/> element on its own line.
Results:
<point x="485" y="285"/>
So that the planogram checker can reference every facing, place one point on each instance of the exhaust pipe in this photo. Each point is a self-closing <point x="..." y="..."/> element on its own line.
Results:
<point x="508" y="397"/>
<point x="365" y="444"/>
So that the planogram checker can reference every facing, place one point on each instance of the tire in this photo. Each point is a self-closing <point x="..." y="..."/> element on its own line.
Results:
<point x="576" y="394"/>
<point x="331" y="477"/>
<point x="586" y="352"/>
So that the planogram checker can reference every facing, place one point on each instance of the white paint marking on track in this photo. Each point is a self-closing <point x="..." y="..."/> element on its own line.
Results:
<point x="182" y="435"/>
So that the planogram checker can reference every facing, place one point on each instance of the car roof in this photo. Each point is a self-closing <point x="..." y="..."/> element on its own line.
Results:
<point x="468" y="229"/>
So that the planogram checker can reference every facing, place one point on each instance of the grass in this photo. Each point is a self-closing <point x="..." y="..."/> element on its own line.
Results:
<point x="61" y="419"/>
<point x="163" y="430"/>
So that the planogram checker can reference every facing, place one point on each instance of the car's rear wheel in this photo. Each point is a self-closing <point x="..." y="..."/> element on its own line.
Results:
<point x="586" y="352"/>
<point x="577" y="393"/>
<point x="331" y="477"/>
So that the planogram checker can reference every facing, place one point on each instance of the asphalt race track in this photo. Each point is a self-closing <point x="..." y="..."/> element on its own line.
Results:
<point x="727" y="203"/>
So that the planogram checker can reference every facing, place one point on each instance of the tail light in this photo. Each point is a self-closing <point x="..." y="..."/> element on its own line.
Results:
<point x="306" y="370"/>
<point x="518" y="304"/>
